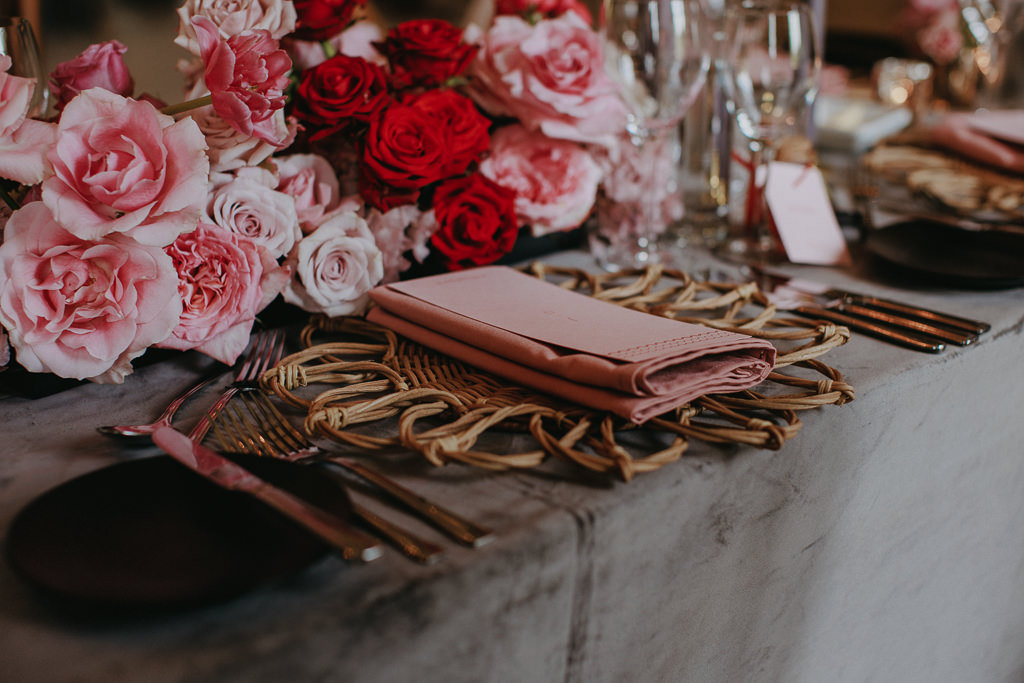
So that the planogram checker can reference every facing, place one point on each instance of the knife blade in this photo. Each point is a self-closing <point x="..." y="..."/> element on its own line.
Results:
<point x="352" y="544"/>
<point x="890" y="334"/>
<point x="938" y="321"/>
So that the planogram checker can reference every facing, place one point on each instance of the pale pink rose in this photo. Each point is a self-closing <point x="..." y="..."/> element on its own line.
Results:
<point x="233" y="17"/>
<point x="121" y="166"/>
<point x="24" y="143"/>
<point x="230" y="150"/>
<point x="550" y="76"/>
<point x="391" y="232"/>
<point x="246" y="75"/>
<point x="225" y="280"/>
<point x="555" y="181"/>
<point x="80" y="308"/>
<point x="100" y="66"/>
<point x="247" y="204"/>
<point x="335" y="268"/>
<point x="311" y="181"/>
<point x="355" y="41"/>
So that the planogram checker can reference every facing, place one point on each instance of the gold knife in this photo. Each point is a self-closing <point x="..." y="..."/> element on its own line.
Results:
<point x="351" y="543"/>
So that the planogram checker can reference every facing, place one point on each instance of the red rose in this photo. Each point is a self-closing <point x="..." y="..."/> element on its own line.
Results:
<point x="334" y="92"/>
<point x="468" y="126"/>
<point x="425" y="52"/>
<point x="319" y="20"/>
<point x="476" y="221"/>
<point x="405" y="151"/>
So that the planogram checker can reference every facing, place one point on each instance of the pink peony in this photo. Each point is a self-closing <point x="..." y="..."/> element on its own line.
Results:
<point x="232" y="17"/>
<point x="248" y="204"/>
<point x="79" y="308"/>
<point x="246" y="75"/>
<point x="121" y="166"/>
<point x="550" y="76"/>
<point x="311" y="181"/>
<point x="555" y="181"/>
<point x="24" y="142"/>
<point x="335" y="268"/>
<point x="224" y="281"/>
<point x="100" y="66"/>
<point x="230" y="149"/>
<point x="394" y="232"/>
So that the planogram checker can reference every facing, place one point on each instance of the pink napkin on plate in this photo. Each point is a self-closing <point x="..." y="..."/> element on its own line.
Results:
<point x="995" y="138"/>
<point x="570" y="345"/>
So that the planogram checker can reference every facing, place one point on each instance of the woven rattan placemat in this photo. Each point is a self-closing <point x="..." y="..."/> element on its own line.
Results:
<point x="356" y="381"/>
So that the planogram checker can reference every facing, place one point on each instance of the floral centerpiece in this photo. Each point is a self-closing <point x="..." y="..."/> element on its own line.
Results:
<point x="313" y="156"/>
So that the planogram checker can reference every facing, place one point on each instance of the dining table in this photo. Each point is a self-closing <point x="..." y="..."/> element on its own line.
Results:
<point x="885" y="542"/>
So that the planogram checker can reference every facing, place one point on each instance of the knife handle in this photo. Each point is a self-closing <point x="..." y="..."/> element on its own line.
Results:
<point x="881" y="332"/>
<point x="952" y="336"/>
<point x="353" y="544"/>
<point x="966" y="324"/>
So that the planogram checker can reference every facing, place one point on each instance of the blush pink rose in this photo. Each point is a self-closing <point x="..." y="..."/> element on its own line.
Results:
<point x="121" y="166"/>
<point x="247" y="204"/>
<point x="80" y="308"/>
<point x="335" y="268"/>
<point x="355" y="41"/>
<point x="310" y="180"/>
<point x="224" y="281"/>
<point x="550" y="76"/>
<point x="100" y="66"/>
<point x="246" y="75"/>
<point x="233" y="17"/>
<point x="24" y="143"/>
<point x="229" y="149"/>
<point x="555" y="181"/>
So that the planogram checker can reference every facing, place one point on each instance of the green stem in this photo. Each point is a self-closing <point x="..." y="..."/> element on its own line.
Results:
<point x="188" y="105"/>
<point x="8" y="199"/>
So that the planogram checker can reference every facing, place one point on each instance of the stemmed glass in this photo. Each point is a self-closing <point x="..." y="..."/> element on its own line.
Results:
<point x="654" y="53"/>
<point x="771" y="71"/>
<point x="18" y="42"/>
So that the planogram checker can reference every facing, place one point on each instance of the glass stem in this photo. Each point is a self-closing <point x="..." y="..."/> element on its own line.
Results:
<point x="649" y="202"/>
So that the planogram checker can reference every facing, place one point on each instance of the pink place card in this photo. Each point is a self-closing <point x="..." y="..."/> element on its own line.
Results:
<point x="799" y="204"/>
<point x="524" y="305"/>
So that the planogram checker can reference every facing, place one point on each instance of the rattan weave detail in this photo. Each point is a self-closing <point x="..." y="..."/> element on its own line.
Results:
<point x="440" y="408"/>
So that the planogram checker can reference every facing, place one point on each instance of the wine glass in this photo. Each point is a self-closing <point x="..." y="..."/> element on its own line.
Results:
<point x="654" y="53"/>
<point x="18" y="42"/>
<point x="771" y="71"/>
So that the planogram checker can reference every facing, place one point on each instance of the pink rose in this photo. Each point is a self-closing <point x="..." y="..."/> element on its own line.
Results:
<point x="555" y="181"/>
<point x="311" y="182"/>
<point x="232" y="17"/>
<point x="247" y="204"/>
<point x="224" y="280"/>
<point x="100" y="66"/>
<point x="24" y="142"/>
<point x="941" y="40"/>
<point x="121" y="166"/>
<point x="79" y="308"/>
<point x="550" y="76"/>
<point x="355" y="41"/>
<point x="246" y="75"/>
<point x="230" y="149"/>
<point x="335" y="268"/>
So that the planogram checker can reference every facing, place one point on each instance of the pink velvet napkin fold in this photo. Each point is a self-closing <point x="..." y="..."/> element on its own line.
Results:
<point x="995" y="138"/>
<point x="576" y="347"/>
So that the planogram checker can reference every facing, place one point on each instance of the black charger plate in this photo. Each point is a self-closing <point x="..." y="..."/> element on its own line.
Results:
<point x="150" y="534"/>
<point x="984" y="259"/>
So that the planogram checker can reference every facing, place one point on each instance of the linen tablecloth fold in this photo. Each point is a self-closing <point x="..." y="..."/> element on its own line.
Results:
<point x="564" y="343"/>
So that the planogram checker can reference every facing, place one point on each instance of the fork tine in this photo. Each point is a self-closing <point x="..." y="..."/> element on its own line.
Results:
<point x="273" y="421"/>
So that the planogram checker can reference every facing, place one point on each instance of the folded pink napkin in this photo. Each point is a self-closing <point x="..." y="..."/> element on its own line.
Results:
<point x="995" y="138"/>
<point x="576" y="347"/>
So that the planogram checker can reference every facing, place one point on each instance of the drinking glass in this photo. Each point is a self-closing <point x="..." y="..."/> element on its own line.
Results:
<point x="654" y="53"/>
<point x="18" y="42"/>
<point x="771" y="70"/>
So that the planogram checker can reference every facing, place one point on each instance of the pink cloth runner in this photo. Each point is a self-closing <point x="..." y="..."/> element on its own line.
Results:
<point x="573" y="346"/>
<point x="995" y="138"/>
